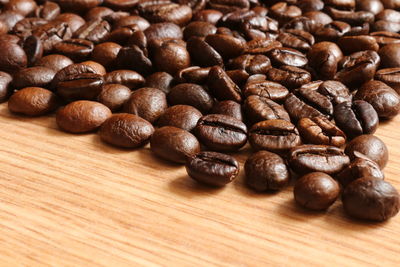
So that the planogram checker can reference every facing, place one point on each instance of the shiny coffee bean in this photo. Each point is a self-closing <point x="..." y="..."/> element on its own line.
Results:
<point x="287" y="56"/>
<point x="192" y="95"/>
<point x="299" y="108"/>
<point x="268" y="89"/>
<point x="332" y="31"/>
<point x="193" y="74"/>
<point x="296" y="39"/>
<point x="114" y="96"/>
<point x="283" y="12"/>
<point x="222" y="86"/>
<point x="134" y="58"/>
<point x="227" y="46"/>
<point x="208" y="15"/>
<point x="203" y="53"/>
<point x="352" y="44"/>
<point x="160" y="80"/>
<point x="289" y="76"/>
<point x="199" y="29"/>
<point x="76" y="49"/>
<point x="390" y="55"/>
<point x="258" y="108"/>
<point x="80" y="86"/>
<point x="171" y="57"/>
<point x="389" y="76"/>
<point x="49" y="10"/>
<point x="266" y="171"/>
<point x="165" y="12"/>
<point x="323" y="58"/>
<point x="105" y="53"/>
<point x="162" y="31"/>
<point x="12" y="57"/>
<point x="180" y="116"/>
<point x="54" y="61"/>
<point x="33" y="77"/>
<point x="252" y="64"/>
<point x="229" y="108"/>
<point x="33" y="48"/>
<point x="212" y="168"/>
<point x="5" y="88"/>
<point x="129" y="78"/>
<point x="335" y="91"/>
<point x="95" y="31"/>
<point x="384" y="38"/>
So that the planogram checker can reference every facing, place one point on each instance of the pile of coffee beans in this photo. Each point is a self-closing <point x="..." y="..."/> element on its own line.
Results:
<point x="304" y="82"/>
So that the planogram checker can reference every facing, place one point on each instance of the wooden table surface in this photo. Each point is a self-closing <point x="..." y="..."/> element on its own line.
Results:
<point x="71" y="200"/>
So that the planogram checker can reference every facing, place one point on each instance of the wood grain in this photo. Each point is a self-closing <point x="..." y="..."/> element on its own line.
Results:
<point x="70" y="200"/>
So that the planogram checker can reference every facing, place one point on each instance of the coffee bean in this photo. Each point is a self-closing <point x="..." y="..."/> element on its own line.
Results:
<point x="335" y="91"/>
<point x="370" y="198"/>
<point x="160" y="80"/>
<point x="222" y="86"/>
<point x="287" y="56"/>
<point x="252" y="64"/>
<point x="320" y="131"/>
<point x="298" y="108"/>
<point x="24" y="7"/>
<point x="33" y="48"/>
<point x="208" y="15"/>
<point x="52" y="33"/>
<point x="174" y="144"/>
<point x="95" y="31"/>
<point x="80" y="86"/>
<point x="140" y="22"/>
<point x="78" y="6"/>
<point x="129" y="78"/>
<point x="105" y="53"/>
<point x="351" y="44"/>
<point x="134" y="58"/>
<point x="289" y="76"/>
<point x="74" y="21"/>
<point x="5" y="90"/>
<point x="148" y="103"/>
<point x="171" y="57"/>
<point x="332" y="31"/>
<point x="389" y="76"/>
<point x="258" y="108"/>
<point x="303" y="23"/>
<point x="168" y="12"/>
<point x="268" y="89"/>
<point x="227" y="46"/>
<point x="221" y="133"/>
<point x="33" y="101"/>
<point x="274" y="135"/>
<point x="161" y="31"/>
<point x="49" y="10"/>
<point x="316" y="191"/>
<point x="212" y="168"/>
<point x="126" y="130"/>
<point x="203" y="53"/>
<point x="266" y="171"/>
<point x="12" y="57"/>
<point x="76" y="49"/>
<point x="82" y="116"/>
<point x="180" y="116"/>
<point x="284" y="12"/>
<point x="296" y="39"/>
<point x="227" y="6"/>
<point x="323" y="58"/>
<point x="199" y="29"/>
<point x="390" y="55"/>
<point x="383" y="98"/>
<point x="33" y="77"/>
<point x="384" y="38"/>
<point x="121" y="5"/>
<point x="114" y="96"/>
<point x="54" y="61"/>
<point x="356" y="118"/>
<point x="193" y="74"/>
<point x="229" y="108"/>
<point x="373" y="6"/>
<point x="371" y="146"/>
<point x="317" y="158"/>
<point x="261" y="46"/>
<point x="310" y="5"/>
<point x="192" y="95"/>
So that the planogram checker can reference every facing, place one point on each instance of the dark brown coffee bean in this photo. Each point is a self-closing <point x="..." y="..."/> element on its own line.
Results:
<point x="320" y="18"/>
<point x="24" y="7"/>
<point x="222" y="86"/>
<point x="323" y="58"/>
<point x="320" y="131"/>
<point x="129" y="78"/>
<point x="390" y="55"/>
<point x="316" y="191"/>
<point x="384" y="38"/>
<point x="161" y="31"/>
<point x="287" y="56"/>
<point x="296" y="39"/>
<point x="360" y="167"/>
<point x="335" y="91"/>
<point x="160" y="80"/>
<point x="388" y="15"/>
<point x="171" y="57"/>
<point x="52" y="33"/>
<point x="369" y="145"/>
<point x="351" y="17"/>
<point x="317" y="158"/>
<point x="54" y="62"/>
<point x="268" y="89"/>
<point x="351" y="44"/>
<point x="221" y="133"/>
<point x="227" y="46"/>
<point x="192" y="95"/>
<point x="252" y="64"/>
<point x="283" y="12"/>
<point x="166" y="12"/>
<point x="140" y="22"/>
<point x="76" y="49"/>
<point x="274" y="135"/>
<point x="105" y="53"/>
<point x="310" y="5"/>
<point x="82" y="116"/>
<point x="10" y="38"/>
<point x="33" y="48"/>
<point x="258" y="108"/>
<point x="126" y="130"/>
<point x="289" y="76"/>
<point x="373" y="6"/>
<point x="123" y="35"/>
<point x="121" y="5"/>
<point x="193" y="74"/>
<point x="203" y="53"/>
<point x="238" y="76"/>
<point x="212" y="168"/>
<point x="261" y="46"/>
<point x="74" y="21"/>
<point x="33" y="77"/>
<point x="95" y="31"/>
<point x="332" y="31"/>
<point x="229" y="108"/>
<point x="266" y="171"/>
<point x="180" y="116"/>
<point x="49" y="10"/>
<point x="390" y="76"/>
<point x="208" y="15"/>
<point x="78" y="6"/>
<point x="199" y="29"/>
<point x="24" y="28"/>
<point x="80" y="86"/>
<point x="227" y="6"/>
<point x="33" y="101"/>
<point x="358" y="68"/>
<point x="5" y="88"/>
<point x="174" y="144"/>
<point x="98" y="68"/>
<point x="383" y="98"/>
<point x="303" y="23"/>
<point x="300" y="108"/>
<point x="134" y="58"/>
<point x="12" y="57"/>
<point x="10" y="18"/>
<point x="356" y="118"/>
<point x="114" y="96"/>
<point x="148" y="103"/>
<point x="370" y="198"/>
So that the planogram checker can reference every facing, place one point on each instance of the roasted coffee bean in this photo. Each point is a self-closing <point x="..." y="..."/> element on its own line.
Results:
<point x="351" y="44"/>
<point x="303" y="23"/>
<point x="370" y="198"/>
<point x="320" y="131"/>
<point x="52" y="33"/>
<point x="129" y="78"/>
<point x="140" y="22"/>
<point x="174" y="144"/>
<point x="33" y="77"/>
<point x="76" y="49"/>
<point x="359" y="167"/>
<point x="126" y="130"/>
<point x="5" y="88"/>
<point x="12" y="57"/>
<point x="222" y="86"/>
<point x="332" y="31"/>
<point x="384" y="38"/>
<point x="252" y="64"/>
<point x="208" y="15"/>
<point x="33" y="48"/>
<point x="166" y="12"/>
<point x="289" y="76"/>
<point x="192" y="95"/>
<point x="95" y="31"/>
<point x="148" y="103"/>
<point x="160" y="80"/>
<point x="10" y="18"/>
<point x="227" y="6"/>
<point x="299" y="108"/>
<point x="227" y="46"/>
<point x="82" y="116"/>
<point x="193" y="74"/>
<point x="134" y="58"/>
<point x="105" y="53"/>
<point x="122" y="35"/>
<point x="54" y="61"/>
<point x="373" y="6"/>
<point x="74" y="21"/>
<point x="283" y="12"/>
<point x="49" y="10"/>
<point x="80" y="86"/>
<point x="10" y="38"/>
<point x="316" y="191"/>
<point x="390" y="56"/>
<point x="358" y="68"/>
<point x="268" y="89"/>
<point x="287" y="56"/>
<point x="274" y="135"/>
<point x="199" y="29"/>
<point x="390" y="76"/>
<point x="162" y="31"/>
<point x="121" y="5"/>
<point x="388" y="15"/>
<point x="383" y="98"/>
<point x="351" y="17"/>
<point x="323" y="58"/>
<point x="171" y="57"/>
<point x="180" y="116"/>
<point x="356" y="118"/>
<point x="114" y="96"/>
<point x="24" y="7"/>
<point x="70" y="70"/>
<point x="33" y="101"/>
<point x="335" y="91"/>
<point x="238" y="76"/>
<point x="203" y="53"/>
<point x="261" y="46"/>
<point x="98" y="68"/>
<point x="221" y="133"/>
<point x="24" y="28"/>
<point x="259" y="108"/>
<point x="212" y="168"/>
<point x="296" y="39"/>
<point x="310" y="5"/>
<point x="266" y="171"/>
<point x="359" y="30"/>
<point x="369" y="145"/>
<point x="78" y="6"/>
<point x="383" y="25"/>
<point x="229" y="108"/>
<point x="317" y="158"/>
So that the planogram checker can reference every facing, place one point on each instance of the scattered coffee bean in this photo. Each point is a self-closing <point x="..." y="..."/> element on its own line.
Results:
<point x="114" y="96"/>
<point x="180" y="116"/>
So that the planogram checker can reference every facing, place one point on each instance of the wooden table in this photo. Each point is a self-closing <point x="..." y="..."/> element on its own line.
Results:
<point x="71" y="200"/>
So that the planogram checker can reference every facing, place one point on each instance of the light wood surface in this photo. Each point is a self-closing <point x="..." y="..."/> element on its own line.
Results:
<point x="71" y="200"/>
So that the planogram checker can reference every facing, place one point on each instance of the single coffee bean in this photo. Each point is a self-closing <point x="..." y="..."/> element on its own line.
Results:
<point x="114" y="96"/>
<point x="199" y="29"/>
<point x="390" y="55"/>
<point x="266" y="171"/>
<point x="352" y="44"/>
<point x="371" y="146"/>
<point x="5" y="88"/>
<point x="71" y="70"/>
<point x="370" y="198"/>
<point x="252" y="64"/>
<point x="192" y="95"/>
<point x="335" y="91"/>
<point x="121" y="5"/>
<point x="24" y="7"/>
<point x="80" y="86"/>
<point x="165" y="12"/>
<point x="174" y="144"/>
<point x="258" y="108"/>
<point x="222" y="86"/>
<point x="383" y="37"/>
<point x="123" y="35"/>
<point x="78" y="6"/>
<point x="33" y="48"/>
<point x="105" y="53"/>
<point x="261" y="46"/>
<point x="316" y="191"/>
<point x="180" y="116"/>
<point x="148" y="103"/>
<point x="303" y="23"/>
<point x="310" y="5"/>
<point x="203" y="53"/>
<point x="74" y="21"/>
<point x="95" y="31"/>
<point x="268" y="89"/>
<point x="54" y="61"/>
<point x="160" y="80"/>
<point x="389" y="76"/>
<point x="283" y="12"/>
<point x="221" y="133"/>
<point x="33" y="101"/>
<point x="383" y="98"/>
<point x="289" y="76"/>
<point x="162" y="31"/>
<point x="361" y="166"/>
<point x="98" y="68"/>
<point x="332" y="31"/>
<point x="82" y="116"/>
<point x="274" y="135"/>
<point x="134" y="58"/>
<point x="296" y="39"/>
<point x="212" y="168"/>
<point x="126" y="130"/>
<point x="287" y="56"/>
<point x="373" y="6"/>
<point x="320" y="131"/>
<point x="171" y="57"/>
<point x="52" y="33"/>
<point x="10" y="18"/>
<point x="356" y="118"/>
<point x="317" y="158"/>
<point x="298" y="108"/>
<point x="129" y="78"/>
<point x="193" y="74"/>
<point x="33" y="77"/>
<point x="24" y="28"/>
<point x="12" y="57"/>
<point x="76" y="49"/>
<point x="227" y="46"/>
<point x="49" y="10"/>
<point x="229" y="108"/>
<point x="208" y="15"/>
<point x="323" y="58"/>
